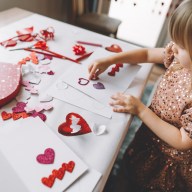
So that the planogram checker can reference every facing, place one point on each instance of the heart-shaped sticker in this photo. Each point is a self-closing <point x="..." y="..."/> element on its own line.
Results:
<point x="66" y="129"/>
<point x="47" y="157"/>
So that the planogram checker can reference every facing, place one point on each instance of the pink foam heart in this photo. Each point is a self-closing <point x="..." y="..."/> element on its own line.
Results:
<point x="47" y="157"/>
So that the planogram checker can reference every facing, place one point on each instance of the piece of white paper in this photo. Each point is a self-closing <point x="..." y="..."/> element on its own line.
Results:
<point x="79" y="99"/>
<point x="21" y="141"/>
<point x="113" y="84"/>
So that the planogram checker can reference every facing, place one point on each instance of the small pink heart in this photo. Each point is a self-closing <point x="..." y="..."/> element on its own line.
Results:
<point x="47" y="157"/>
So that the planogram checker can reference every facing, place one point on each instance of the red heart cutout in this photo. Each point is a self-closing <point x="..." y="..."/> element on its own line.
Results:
<point x="17" y="116"/>
<point x="48" y="181"/>
<point x="9" y="43"/>
<point x="114" y="48"/>
<point x="59" y="174"/>
<point x="66" y="130"/>
<point x="68" y="166"/>
<point x="6" y="115"/>
<point x="10" y="82"/>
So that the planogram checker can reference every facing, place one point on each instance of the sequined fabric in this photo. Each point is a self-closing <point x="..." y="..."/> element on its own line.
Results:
<point x="150" y="164"/>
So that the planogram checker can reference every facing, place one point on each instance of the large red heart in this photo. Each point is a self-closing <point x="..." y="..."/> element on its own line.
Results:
<point x="10" y="81"/>
<point x="66" y="130"/>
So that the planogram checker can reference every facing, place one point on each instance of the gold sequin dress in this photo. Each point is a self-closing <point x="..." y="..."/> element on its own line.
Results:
<point x="150" y="164"/>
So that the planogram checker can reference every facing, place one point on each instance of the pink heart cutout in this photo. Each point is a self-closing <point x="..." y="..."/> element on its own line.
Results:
<point x="47" y="157"/>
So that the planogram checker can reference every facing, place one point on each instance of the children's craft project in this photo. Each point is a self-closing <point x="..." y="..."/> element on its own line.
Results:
<point x="10" y="82"/>
<point x="119" y="83"/>
<point x="22" y="141"/>
<point x="74" y="125"/>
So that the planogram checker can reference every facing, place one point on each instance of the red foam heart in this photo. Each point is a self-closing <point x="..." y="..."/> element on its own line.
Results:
<point x="6" y="115"/>
<point x="48" y="181"/>
<point x="68" y="166"/>
<point x="59" y="174"/>
<point x="10" y="82"/>
<point x="66" y="130"/>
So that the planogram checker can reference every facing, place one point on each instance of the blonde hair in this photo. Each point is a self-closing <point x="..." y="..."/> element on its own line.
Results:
<point x="180" y="26"/>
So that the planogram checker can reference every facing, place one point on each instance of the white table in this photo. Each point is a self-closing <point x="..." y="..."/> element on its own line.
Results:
<point x="98" y="152"/>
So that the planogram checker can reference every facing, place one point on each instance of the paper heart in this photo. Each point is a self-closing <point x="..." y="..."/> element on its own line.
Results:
<point x="48" y="181"/>
<point x="69" y="166"/>
<point x="66" y="130"/>
<point x="5" y="115"/>
<point x="98" y="85"/>
<point x="114" y="48"/>
<point x="10" y="81"/>
<point x="83" y="81"/>
<point x="59" y="174"/>
<point x="47" y="157"/>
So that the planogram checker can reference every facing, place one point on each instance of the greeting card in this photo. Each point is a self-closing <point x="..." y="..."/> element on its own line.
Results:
<point x="40" y="159"/>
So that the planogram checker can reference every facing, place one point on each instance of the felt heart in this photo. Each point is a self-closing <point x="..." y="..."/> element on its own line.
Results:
<point x="65" y="128"/>
<point x="98" y="85"/>
<point x="48" y="181"/>
<point x="114" y="48"/>
<point x="10" y="81"/>
<point x="69" y="166"/>
<point x="47" y="157"/>
<point x="83" y="81"/>
<point x="6" y="115"/>
<point x="59" y="174"/>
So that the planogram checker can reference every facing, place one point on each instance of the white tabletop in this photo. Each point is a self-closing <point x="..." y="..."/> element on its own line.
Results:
<point x="98" y="152"/>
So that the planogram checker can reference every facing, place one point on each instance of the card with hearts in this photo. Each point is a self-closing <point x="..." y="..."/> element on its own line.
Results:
<point x="35" y="152"/>
<point x="101" y="89"/>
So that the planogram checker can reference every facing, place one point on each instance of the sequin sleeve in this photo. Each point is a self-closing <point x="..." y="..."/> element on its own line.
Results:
<point x="168" y="54"/>
<point x="186" y="121"/>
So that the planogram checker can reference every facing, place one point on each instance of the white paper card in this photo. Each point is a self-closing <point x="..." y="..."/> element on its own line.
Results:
<point x="79" y="99"/>
<point x="23" y="140"/>
<point x="113" y="84"/>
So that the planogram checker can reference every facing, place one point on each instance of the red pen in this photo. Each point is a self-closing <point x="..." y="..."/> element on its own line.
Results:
<point x="89" y="43"/>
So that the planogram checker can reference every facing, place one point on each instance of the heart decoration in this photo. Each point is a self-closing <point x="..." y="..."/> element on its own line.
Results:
<point x="59" y="174"/>
<point x="98" y="85"/>
<point x="83" y="81"/>
<point x="10" y="82"/>
<point x="20" y="107"/>
<point x="48" y="181"/>
<point x="5" y="115"/>
<point x="47" y="157"/>
<point x="69" y="166"/>
<point x="114" y="48"/>
<point x="65" y="128"/>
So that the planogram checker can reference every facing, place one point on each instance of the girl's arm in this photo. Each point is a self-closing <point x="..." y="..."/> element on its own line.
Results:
<point x="144" y="55"/>
<point x="170" y="134"/>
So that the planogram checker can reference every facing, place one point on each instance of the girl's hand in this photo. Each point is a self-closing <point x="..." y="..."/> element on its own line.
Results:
<point x="96" y="68"/>
<point x="168" y="54"/>
<point x="127" y="104"/>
